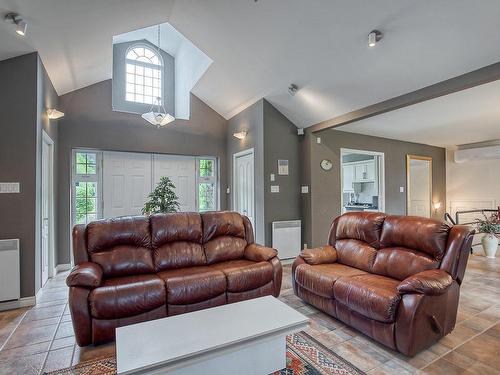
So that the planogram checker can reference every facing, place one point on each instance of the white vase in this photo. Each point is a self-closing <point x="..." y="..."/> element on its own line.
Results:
<point x="490" y="245"/>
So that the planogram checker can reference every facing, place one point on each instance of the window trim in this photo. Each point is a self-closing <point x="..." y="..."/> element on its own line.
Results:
<point x="97" y="177"/>
<point x="160" y="68"/>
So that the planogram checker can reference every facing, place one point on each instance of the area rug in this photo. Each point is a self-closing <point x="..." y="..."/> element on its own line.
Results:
<point x="305" y="356"/>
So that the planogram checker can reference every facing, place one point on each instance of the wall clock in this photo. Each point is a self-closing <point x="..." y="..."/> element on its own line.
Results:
<point x="326" y="164"/>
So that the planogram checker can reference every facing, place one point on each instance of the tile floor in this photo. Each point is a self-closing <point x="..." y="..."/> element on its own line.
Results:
<point x="33" y="341"/>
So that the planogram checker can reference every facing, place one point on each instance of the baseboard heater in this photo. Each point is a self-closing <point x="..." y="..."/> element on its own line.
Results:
<point x="286" y="238"/>
<point x="10" y="280"/>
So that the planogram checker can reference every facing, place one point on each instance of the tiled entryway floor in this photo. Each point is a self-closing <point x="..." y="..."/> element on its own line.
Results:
<point x="40" y="339"/>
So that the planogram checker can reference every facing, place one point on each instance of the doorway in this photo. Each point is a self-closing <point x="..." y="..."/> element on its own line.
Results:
<point x="243" y="184"/>
<point x="362" y="179"/>
<point x="47" y="209"/>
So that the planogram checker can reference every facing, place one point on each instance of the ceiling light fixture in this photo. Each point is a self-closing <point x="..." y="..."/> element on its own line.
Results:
<point x="21" y="24"/>
<point x="54" y="114"/>
<point x="240" y="135"/>
<point x="292" y="89"/>
<point x="374" y="37"/>
<point x="157" y="114"/>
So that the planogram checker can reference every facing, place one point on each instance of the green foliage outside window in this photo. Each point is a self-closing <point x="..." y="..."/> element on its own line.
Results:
<point x="86" y="201"/>
<point x="206" y="168"/>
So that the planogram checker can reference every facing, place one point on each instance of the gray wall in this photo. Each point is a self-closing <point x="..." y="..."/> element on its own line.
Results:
<point x="280" y="142"/>
<point x="251" y="120"/>
<point x="18" y="148"/>
<point x="325" y="189"/>
<point x="26" y="93"/>
<point x="273" y="137"/>
<point x="91" y="123"/>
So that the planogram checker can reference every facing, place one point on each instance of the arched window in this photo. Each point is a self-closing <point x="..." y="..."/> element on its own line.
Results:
<point x="144" y="75"/>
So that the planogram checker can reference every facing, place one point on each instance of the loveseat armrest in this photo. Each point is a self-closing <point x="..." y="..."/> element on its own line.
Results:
<point x="430" y="282"/>
<point x="319" y="255"/>
<point x="85" y="275"/>
<point x="258" y="253"/>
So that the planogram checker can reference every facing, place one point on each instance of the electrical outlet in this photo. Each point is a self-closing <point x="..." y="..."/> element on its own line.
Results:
<point x="318" y="140"/>
<point x="304" y="189"/>
<point x="273" y="177"/>
<point x="275" y="188"/>
<point x="401" y="189"/>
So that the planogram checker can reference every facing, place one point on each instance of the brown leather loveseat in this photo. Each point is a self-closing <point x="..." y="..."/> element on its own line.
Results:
<point x="133" y="269"/>
<point x="394" y="278"/>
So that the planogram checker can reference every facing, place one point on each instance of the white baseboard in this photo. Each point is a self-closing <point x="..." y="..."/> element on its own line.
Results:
<point x="16" y="304"/>
<point x="62" y="267"/>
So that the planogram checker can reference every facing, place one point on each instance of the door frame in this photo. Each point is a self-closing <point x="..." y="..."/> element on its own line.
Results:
<point x="51" y="196"/>
<point x="381" y="175"/>
<point x="250" y="151"/>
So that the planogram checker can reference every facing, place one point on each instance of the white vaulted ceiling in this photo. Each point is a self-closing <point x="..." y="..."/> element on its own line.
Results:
<point x="259" y="48"/>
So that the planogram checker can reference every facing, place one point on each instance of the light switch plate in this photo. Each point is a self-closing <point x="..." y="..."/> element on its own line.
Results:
<point x="305" y="189"/>
<point x="228" y="190"/>
<point x="318" y="140"/>
<point x="10" y="187"/>
<point x="273" y="177"/>
<point x="275" y="188"/>
<point x="401" y="189"/>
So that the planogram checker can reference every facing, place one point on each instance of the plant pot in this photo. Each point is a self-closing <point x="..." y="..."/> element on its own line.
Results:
<point x="490" y="245"/>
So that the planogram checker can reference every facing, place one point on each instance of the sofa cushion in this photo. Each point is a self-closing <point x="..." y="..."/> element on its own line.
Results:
<point x="362" y="226"/>
<point x="399" y="262"/>
<point x="355" y="253"/>
<point x="416" y="233"/>
<point x="193" y="284"/>
<point x="224" y="248"/>
<point x="121" y="246"/>
<point x="126" y="296"/>
<point x="374" y="296"/>
<point x="222" y="223"/>
<point x="243" y="275"/>
<point x="319" y="279"/>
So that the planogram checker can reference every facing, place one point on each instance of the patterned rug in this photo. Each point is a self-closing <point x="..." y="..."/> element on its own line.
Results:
<point x="305" y="356"/>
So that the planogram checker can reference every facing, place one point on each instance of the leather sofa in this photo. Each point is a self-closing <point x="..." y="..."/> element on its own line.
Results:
<point x="394" y="278"/>
<point x="133" y="269"/>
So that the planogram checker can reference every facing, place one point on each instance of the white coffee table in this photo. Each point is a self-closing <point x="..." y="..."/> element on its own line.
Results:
<point x="247" y="338"/>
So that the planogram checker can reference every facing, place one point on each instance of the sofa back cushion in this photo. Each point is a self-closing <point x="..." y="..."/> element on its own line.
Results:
<point x="223" y="236"/>
<point x="356" y="236"/>
<point x="176" y="240"/>
<point x="121" y="246"/>
<point x="400" y="262"/>
<point x="416" y="233"/>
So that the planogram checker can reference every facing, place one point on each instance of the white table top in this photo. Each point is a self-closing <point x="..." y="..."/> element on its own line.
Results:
<point x="170" y="339"/>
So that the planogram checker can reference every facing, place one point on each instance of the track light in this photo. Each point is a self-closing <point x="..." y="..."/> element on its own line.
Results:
<point x="374" y="37"/>
<point x="21" y="24"/>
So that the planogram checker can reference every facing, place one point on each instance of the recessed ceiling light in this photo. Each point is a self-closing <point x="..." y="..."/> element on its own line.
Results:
<point x="21" y="24"/>
<point x="374" y="37"/>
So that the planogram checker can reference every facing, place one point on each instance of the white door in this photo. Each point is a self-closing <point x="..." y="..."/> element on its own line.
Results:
<point x="182" y="172"/>
<point x="243" y="184"/>
<point x="46" y="211"/>
<point x="126" y="183"/>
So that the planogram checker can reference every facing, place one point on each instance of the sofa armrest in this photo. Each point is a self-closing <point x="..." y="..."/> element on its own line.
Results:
<point x="258" y="253"/>
<point x="319" y="255"/>
<point x="86" y="275"/>
<point x="430" y="282"/>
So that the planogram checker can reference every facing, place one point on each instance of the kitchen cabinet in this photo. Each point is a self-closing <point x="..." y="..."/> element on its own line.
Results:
<point x="347" y="178"/>
<point x="364" y="171"/>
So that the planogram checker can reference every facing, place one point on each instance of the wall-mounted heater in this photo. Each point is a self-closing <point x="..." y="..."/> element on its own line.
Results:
<point x="10" y="279"/>
<point x="286" y="238"/>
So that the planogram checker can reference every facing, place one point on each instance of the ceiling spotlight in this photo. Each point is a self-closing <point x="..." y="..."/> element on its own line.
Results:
<point x="21" y="24"/>
<point x="292" y="89"/>
<point x="374" y="37"/>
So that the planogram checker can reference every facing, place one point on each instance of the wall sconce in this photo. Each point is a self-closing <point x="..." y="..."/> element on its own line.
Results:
<point x="240" y="135"/>
<point x="54" y="114"/>
<point x="437" y="206"/>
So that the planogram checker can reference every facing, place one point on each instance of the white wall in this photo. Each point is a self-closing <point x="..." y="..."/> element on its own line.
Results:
<point x="472" y="185"/>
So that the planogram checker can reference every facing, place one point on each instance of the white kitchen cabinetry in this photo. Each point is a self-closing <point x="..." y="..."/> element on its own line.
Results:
<point x="347" y="178"/>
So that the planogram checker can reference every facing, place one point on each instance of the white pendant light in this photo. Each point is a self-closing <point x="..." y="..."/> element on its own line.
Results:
<point x="157" y="114"/>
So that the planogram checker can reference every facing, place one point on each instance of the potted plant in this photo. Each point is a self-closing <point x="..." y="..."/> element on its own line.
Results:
<point x="490" y="226"/>
<point x="162" y="199"/>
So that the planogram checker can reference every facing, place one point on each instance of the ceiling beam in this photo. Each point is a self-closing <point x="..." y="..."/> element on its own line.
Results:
<point x="465" y="81"/>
